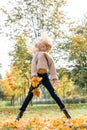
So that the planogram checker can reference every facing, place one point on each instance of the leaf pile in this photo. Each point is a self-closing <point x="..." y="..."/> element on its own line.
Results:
<point x="46" y="123"/>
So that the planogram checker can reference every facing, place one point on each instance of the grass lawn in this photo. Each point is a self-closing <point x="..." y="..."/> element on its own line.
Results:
<point x="41" y="111"/>
<point x="44" y="117"/>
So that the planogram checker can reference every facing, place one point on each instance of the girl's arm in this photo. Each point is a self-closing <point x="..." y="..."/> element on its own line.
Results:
<point x="34" y="66"/>
<point x="52" y="68"/>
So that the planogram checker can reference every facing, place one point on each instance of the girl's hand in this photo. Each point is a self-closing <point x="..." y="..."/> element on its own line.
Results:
<point x="56" y="83"/>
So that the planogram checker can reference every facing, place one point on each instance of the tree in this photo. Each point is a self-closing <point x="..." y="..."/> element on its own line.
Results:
<point x="9" y="87"/>
<point x="77" y="48"/>
<point x="2" y="96"/>
<point x="66" y="86"/>
<point x="79" y="75"/>
<point x="21" y="60"/>
<point x="30" y="17"/>
<point x="66" y="83"/>
<point x="64" y="71"/>
<point x="0" y="65"/>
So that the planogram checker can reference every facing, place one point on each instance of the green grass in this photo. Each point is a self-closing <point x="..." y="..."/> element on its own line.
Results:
<point x="41" y="111"/>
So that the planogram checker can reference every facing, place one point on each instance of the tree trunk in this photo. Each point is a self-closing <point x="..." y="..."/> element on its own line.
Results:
<point x="12" y="100"/>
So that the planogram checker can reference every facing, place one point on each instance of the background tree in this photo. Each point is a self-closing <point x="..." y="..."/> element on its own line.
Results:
<point x="21" y="61"/>
<point x="0" y="65"/>
<point x="9" y="87"/>
<point x="2" y="96"/>
<point x="66" y="84"/>
<point x="77" y="48"/>
<point x="30" y="17"/>
<point x="26" y="19"/>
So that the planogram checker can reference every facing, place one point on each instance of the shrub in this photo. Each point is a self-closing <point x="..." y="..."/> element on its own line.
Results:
<point x="68" y="100"/>
<point x="76" y="99"/>
<point x="83" y="100"/>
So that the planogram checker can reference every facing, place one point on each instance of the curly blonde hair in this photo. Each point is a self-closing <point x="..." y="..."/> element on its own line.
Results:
<point x="36" y="46"/>
<point x="46" y="41"/>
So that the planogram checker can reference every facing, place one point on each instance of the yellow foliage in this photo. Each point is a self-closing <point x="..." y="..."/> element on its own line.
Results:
<point x="60" y="123"/>
<point x="79" y="43"/>
<point x="9" y="86"/>
<point x="35" y="81"/>
<point x="66" y="85"/>
<point x="37" y="92"/>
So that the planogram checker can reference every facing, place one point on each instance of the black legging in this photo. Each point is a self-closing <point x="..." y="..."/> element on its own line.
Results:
<point x="47" y="84"/>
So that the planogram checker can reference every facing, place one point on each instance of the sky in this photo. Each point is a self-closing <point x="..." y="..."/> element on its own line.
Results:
<point x="74" y="9"/>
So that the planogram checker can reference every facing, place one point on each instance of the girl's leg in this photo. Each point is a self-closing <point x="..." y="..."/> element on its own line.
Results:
<point x="46" y="82"/>
<point x="25" y="104"/>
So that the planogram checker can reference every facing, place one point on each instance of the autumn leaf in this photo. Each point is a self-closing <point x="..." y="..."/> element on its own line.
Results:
<point x="37" y="92"/>
<point x="35" y="81"/>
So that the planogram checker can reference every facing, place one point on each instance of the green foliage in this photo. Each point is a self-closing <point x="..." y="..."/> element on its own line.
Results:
<point x="30" y="17"/>
<point x="66" y="86"/>
<point x="27" y="19"/>
<point x="77" y="48"/>
<point x="0" y="65"/>
<point x="2" y="96"/>
<point x="75" y="99"/>
<point x="63" y="71"/>
<point x="22" y="65"/>
<point x="0" y="76"/>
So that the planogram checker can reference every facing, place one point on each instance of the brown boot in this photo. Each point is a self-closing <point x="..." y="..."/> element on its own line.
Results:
<point x="19" y="115"/>
<point x="66" y="113"/>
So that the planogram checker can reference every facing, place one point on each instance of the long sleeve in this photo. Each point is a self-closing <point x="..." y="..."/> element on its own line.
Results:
<point x="34" y="66"/>
<point x="51" y="66"/>
<point x="53" y="72"/>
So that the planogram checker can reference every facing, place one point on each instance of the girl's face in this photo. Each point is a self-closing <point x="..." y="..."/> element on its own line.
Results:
<point x="42" y="47"/>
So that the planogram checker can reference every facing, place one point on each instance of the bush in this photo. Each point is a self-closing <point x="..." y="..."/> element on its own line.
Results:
<point x="68" y="100"/>
<point x="76" y="99"/>
<point x="83" y="100"/>
<point x="44" y="102"/>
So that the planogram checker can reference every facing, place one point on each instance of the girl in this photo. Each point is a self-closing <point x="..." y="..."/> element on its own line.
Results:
<point x="41" y="63"/>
